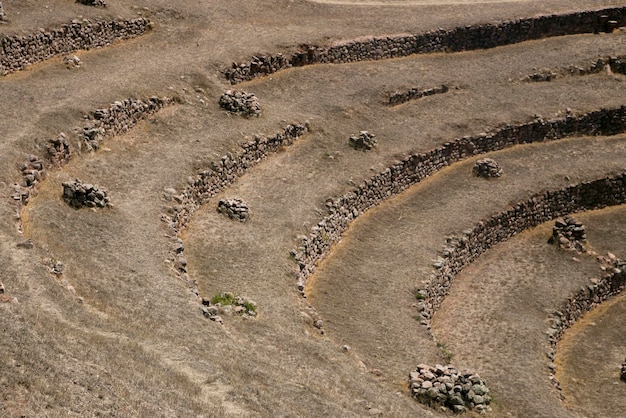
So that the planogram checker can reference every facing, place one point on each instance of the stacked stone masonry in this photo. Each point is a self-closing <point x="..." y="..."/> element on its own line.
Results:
<point x="119" y="118"/>
<point x="235" y="209"/>
<point x="18" y="51"/>
<point x="481" y="36"/>
<point x="365" y="141"/>
<point x="224" y="172"/>
<point x="487" y="168"/>
<point x="237" y="101"/>
<point x="569" y="233"/>
<point x="84" y="195"/>
<point x="415" y="93"/>
<point x="463" y="250"/>
<point x="606" y="64"/>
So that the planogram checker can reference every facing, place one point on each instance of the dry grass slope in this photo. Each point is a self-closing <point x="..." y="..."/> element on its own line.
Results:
<point x="116" y="332"/>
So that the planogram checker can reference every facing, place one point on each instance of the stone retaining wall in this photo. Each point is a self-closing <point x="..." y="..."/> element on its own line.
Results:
<point x="415" y="93"/>
<point x="416" y="167"/>
<point x="213" y="180"/>
<point x="608" y="64"/>
<point x="480" y="36"/>
<point x="18" y="51"/>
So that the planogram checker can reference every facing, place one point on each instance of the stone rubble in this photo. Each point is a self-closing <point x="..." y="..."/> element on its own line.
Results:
<point x="79" y="195"/>
<point x="365" y="141"/>
<point x="227" y="303"/>
<point x="97" y="3"/>
<point x="462" y="38"/>
<point x="3" y="15"/>
<point x="16" y="52"/>
<point x="568" y="233"/>
<point x="234" y="208"/>
<point x="446" y="386"/>
<point x="622" y="373"/>
<point x="415" y="93"/>
<point x="59" y="150"/>
<point x="72" y="61"/>
<point x="487" y="168"/>
<point x="237" y="101"/>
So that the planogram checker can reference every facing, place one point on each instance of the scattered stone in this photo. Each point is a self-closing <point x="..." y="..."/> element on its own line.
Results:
<point x="487" y="168"/>
<point x="415" y="93"/>
<point x="365" y="141"/>
<point x="56" y="267"/>
<point x="234" y="209"/>
<point x="32" y="171"/>
<point x="569" y="233"/>
<point x="2" y="290"/>
<point x="237" y="101"/>
<point x="27" y="245"/>
<point x="227" y="303"/>
<point x="3" y="15"/>
<point x="72" y="61"/>
<point x="97" y="3"/>
<point x="447" y="387"/>
<point x="59" y="151"/>
<point x="622" y="374"/>
<point x="78" y="195"/>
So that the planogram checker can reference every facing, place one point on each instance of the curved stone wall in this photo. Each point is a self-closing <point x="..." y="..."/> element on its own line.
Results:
<point x="416" y="167"/>
<point x="463" y="38"/>
<point x="18" y="51"/>
<point x="608" y="64"/>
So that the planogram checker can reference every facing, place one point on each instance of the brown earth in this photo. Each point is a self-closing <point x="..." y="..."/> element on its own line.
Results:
<point x="138" y="345"/>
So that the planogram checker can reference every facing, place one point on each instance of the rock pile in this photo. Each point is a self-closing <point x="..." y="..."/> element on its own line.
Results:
<point x="446" y="386"/>
<point x="234" y="209"/>
<point x="59" y="152"/>
<point x="365" y="141"/>
<point x="487" y="168"/>
<point x="32" y="171"/>
<point x="3" y="15"/>
<point x="237" y="101"/>
<point x="72" y="61"/>
<point x="18" y="51"/>
<point x="462" y="38"/>
<point x="97" y="3"/>
<point x="609" y="65"/>
<point x="78" y="195"/>
<point x="622" y="373"/>
<point x="569" y="233"/>
<point x="227" y="303"/>
<point x="415" y="93"/>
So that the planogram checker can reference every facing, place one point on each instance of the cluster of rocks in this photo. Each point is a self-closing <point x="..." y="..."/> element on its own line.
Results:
<point x="32" y="171"/>
<point x="118" y="118"/>
<point x="569" y="233"/>
<point x="461" y="38"/>
<point x="227" y="303"/>
<point x="4" y="298"/>
<point x="237" y="101"/>
<point x="59" y="150"/>
<point x="3" y="15"/>
<point x="72" y="61"/>
<point x="487" y="168"/>
<point x="622" y="373"/>
<point x="79" y="195"/>
<point x="415" y="93"/>
<point x="609" y="65"/>
<point x="234" y="208"/>
<point x="97" y="3"/>
<point x="416" y="167"/>
<point x="446" y="386"/>
<point x="365" y="141"/>
<point x="18" y="51"/>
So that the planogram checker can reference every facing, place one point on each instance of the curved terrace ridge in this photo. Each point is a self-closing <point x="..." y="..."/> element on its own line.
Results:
<point x="416" y="167"/>
<point x="465" y="38"/>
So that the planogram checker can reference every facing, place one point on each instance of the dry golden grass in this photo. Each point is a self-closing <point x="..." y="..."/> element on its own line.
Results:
<point x="138" y="345"/>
